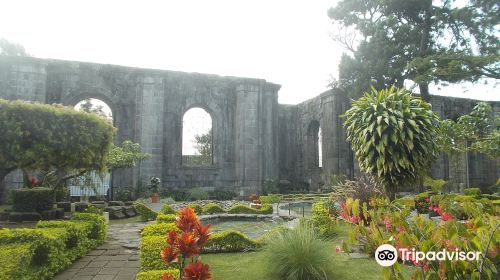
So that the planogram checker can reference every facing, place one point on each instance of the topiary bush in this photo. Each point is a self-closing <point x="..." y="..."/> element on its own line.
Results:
<point x="298" y="254"/>
<point x="157" y="274"/>
<point x="78" y="243"/>
<point x="32" y="200"/>
<point x="321" y="220"/>
<point x="98" y="229"/>
<point x="197" y="208"/>
<point x="165" y="218"/>
<point x="150" y="257"/>
<point x="243" y="209"/>
<point x="229" y="241"/>
<point x="212" y="208"/>
<point x="166" y="209"/>
<point x="159" y="229"/>
<point x="146" y="213"/>
<point x="15" y="261"/>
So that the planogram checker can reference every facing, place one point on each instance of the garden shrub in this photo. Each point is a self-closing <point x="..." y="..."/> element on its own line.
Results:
<point x="34" y="199"/>
<point x="150" y="252"/>
<point x="198" y="194"/>
<point x="212" y="208"/>
<point x="166" y="209"/>
<point x="93" y="210"/>
<point x="472" y="191"/>
<point x="98" y="229"/>
<point x="321" y="220"/>
<point x="299" y="253"/>
<point x="222" y="195"/>
<point x="15" y="261"/>
<point x="229" y="241"/>
<point x="178" y="195"/>
<point x="157" y="274"/>
<point x="165" y="218"/>
<point x="270" y="199"/>
<point x="78" y="242"/>
<point x="197" y="208"/>
<point x="159" y="229"/>
<point x="24" y="216"/>
<point x="146" y="213"/>
<point x="243" y="209"/>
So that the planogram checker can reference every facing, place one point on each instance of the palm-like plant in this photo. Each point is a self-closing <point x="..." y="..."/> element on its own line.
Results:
<point x="393" y="135"/>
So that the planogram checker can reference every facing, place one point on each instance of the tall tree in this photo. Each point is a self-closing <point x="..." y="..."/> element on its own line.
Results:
<point x="203" y="144"/>
<point x="11" y="49"/>
<point x="419" y="40"/>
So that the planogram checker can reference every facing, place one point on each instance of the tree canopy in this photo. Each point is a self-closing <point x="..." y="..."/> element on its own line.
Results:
<point x="419" y="40"/>
<point x="11" y="49"/>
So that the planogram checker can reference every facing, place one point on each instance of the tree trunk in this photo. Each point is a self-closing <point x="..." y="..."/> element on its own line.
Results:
<point x="3" y="174"/>
<point x="424" y="47"/>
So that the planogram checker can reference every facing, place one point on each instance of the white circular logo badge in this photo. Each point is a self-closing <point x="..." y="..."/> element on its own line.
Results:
<point x="386" y="255"/>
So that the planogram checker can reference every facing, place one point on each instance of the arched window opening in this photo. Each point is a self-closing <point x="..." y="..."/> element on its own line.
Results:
<point x="197" y="138"/>
<point x="314" y="157"/>
<point x="92" y="184"/>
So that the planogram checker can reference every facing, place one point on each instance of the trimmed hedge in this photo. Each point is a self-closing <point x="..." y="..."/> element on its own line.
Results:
<point x="159" y="229"/>
<point x="98" y="226"/>
<point x="197" y="208"/>
<point x="157" y="274"/>
<point x="165" y="218"/>
<point x="79" y="241"/>
<point x="15" y="261"/>
<point x="32" y="200"/>
<point x="229" y="241"/>
<point x="212" y="208"/>
<point x="146" y="213"/>
<point x="472" y="191"/>
<point x="321" y="220"/>
<point x="166" y="209"/>
<point x="150" y="253"/>
<point x="243" y="209"/>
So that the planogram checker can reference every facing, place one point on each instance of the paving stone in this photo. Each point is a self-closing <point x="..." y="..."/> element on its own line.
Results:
<point x="66" y="275"/>
<point x="115" y="264"/>
<point x="104" y="277"/>
<point x="96" y="252"/>
<point x="133" y="258"/>
<point x="82" y="277"/>
<point x="110" y="270"/>
<point x="112" y="252"/>
<point x="79" y="264"/>
<point x="134" y="264"/>
<point x="88" y="271"/>
<point x="97" y="263"/>
<point x="105" y="258"/>
<point x="125" y="277"/>
<point x="120" y="257"/>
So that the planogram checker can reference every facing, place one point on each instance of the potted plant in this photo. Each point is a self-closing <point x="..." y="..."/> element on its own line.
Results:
<point x="154" y="187"/>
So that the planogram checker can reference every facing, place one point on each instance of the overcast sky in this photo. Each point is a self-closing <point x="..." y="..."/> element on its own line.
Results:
<point x="283" y="41"/>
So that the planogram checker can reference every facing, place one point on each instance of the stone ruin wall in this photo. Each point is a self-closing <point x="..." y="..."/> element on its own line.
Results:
<point x="255" y="138"/>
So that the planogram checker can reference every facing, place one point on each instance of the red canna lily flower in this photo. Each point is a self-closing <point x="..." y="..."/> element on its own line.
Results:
<point x="197" y="271"/>
<point x="168" y="254"/>
<point x="187" y="219"/>
<point x="203" y="234"/>
<point x="172" y="238"/>
<point x="187" y="245"/>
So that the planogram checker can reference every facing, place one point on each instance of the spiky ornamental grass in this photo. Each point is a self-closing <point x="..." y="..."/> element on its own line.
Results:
<point x="299" y="254"/>
<point x="393" y="135"/>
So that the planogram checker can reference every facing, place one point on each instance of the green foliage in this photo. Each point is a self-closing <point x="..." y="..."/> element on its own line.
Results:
<point x="165" y="218"/>
<point x="157" y="274"/>
<point x="158" y="229"/>
<point x="166" y="209"/>
<point x="34" y="199"/>
<point x="150" y="252"/>
<point x="222" y="195"/>
<point x="8" y="48"/>
<point x="93" y="210"/>
<point x="65" y="139"/>
<point x="79" y="241"/>
<point x="203" y="144"/>
<point x="393" y="135"/>
<point x="98" y="229"/>
<point x="15" y="261"/>
<point x="229" y="241"/>
<point x="271" y="198"/>
<point x="433" y="184"/>
<point x="321" y="220"/>
<point x="198" y="194"/>
<point x="178" y="195"/>
<point x="197" y="208"/>
<point x="300" y="254"/>
<point x="243" y="209"/>
<point x="472" y="191"/>
<point x="126" y="156"/>
<point x="212" y="208"/>
<point x="146" y="213"/>
<point x="270" y="185"/>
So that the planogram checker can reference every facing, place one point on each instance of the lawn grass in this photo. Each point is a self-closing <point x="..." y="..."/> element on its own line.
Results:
<point x="253" y="265"/>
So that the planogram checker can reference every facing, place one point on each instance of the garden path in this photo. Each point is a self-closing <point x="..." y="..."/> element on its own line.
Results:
<point x="116" y="259"/>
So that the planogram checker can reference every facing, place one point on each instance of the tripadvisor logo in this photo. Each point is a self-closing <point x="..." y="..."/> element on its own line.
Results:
<point x="387" y="255"/>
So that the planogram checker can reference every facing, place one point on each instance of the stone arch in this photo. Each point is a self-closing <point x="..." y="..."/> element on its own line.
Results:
<point x="189" y="159"/>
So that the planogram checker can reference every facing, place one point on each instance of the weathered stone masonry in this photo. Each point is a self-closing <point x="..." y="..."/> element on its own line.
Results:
<point x="254" y="137"/>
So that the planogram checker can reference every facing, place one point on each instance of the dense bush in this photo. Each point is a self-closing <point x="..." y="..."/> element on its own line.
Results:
<point x="472" y="191"/>
<point x="24" y="216"/>
<point x="79" y="240"/>
<point x="98" y="229"/>
<point x="157" y="274"/>
<point x="159" y="229"/>
<point x="150" y="252"/>
<point x="34" y="199"/>
<point x="229" y="241"/>
<point x="299" y="254"/>
<point x="322" y="220"/>
<point x="197" y="208"/>
<point x="212" y="208"/>
<point x="198" y="194"/>
<point x="243" y="209"/>
<point x="177" y="195"/>
<point x="166" y="209"/>
<point x="271" y="198"/>
<point x="222" y="195"/>
<point x="15" y="261"/>
<point x="146" y="213"/>
<point x="165" y="218"/>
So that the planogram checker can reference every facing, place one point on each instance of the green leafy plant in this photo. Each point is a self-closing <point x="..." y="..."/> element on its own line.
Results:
<point x="222" y="195"/>
<point x="196" y="207"/>
<point x="146" y="213"/>
<point x="229" y="241"/>
<point x="472" y="191"/>
<point x="33" y="199"/>
<point x="243" y="209"/>
<point x="321" y="219"/>
<point x="198" y="194"/>
<point x="393" y="136"/>
<point x="157" y="274"/>
<point x="299" y="254"/>
<point x="212" y="208"/>
<point x="436" y="185"/>
<point x="158" y="229"/>
<point x="167" y="209"/>
<point x="165" y="218"/>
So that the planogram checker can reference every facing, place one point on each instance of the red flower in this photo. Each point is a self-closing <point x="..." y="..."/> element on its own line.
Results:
<point x="203" y="234"/>
<point x="187" y="220"/>
<point x="196" y="271"/>
<point x="168" y="254"/>
<point x="338" y="249"/>
<point x="172" y="238"/>
<point x="187" y="244"/>
<point x="166" y="276"/>
<point x="33" y="180"/>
